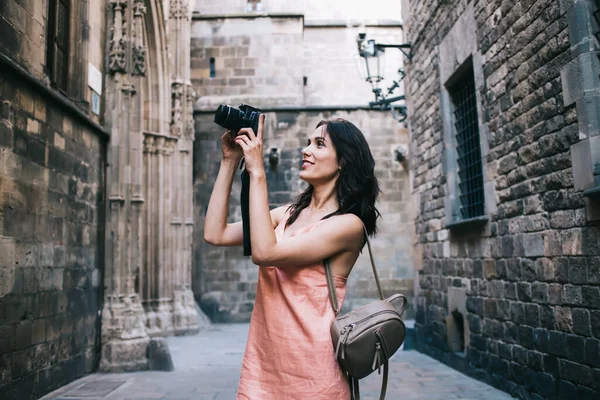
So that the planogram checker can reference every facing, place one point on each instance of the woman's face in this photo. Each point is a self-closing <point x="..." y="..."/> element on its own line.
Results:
<point x="319" y="158"/>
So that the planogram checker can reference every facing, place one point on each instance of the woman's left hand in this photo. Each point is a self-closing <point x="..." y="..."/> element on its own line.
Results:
<point x="252" y="145"/>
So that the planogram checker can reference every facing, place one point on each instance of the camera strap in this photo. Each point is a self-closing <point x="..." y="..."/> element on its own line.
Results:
<point x="245" y="204"/>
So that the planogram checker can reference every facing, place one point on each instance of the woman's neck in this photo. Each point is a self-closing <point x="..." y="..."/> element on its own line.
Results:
<point x="324" y="199"/>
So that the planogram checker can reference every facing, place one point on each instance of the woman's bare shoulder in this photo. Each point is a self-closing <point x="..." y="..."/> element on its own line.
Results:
<point x="278" y="214"/>
<point x="346" y="223"/>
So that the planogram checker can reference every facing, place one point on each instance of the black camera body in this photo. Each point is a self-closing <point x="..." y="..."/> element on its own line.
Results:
<point x="235" y="119"/>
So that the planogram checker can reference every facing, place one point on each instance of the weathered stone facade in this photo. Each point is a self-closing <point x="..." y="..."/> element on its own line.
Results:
<point x="299" y="67"/>
<point x="52" y="199"/>
<point x="511" y="297"/>
<point x="149" y="220"/>
<point x="95" y="187"/>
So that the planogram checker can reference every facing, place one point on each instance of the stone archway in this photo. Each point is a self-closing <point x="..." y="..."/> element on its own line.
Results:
<point x="149" y="215"/>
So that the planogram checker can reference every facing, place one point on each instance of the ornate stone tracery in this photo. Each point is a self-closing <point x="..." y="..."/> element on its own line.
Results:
<point x="138" y="48"/>
<point x="189" y="117"/>
<point x="178" y="9"/>
<point x="148" y="270"/>
<point x="117" y="56"/>
<point x="177" y="92"/>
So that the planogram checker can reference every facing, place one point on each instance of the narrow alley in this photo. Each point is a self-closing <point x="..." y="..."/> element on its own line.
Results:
<point x="207" y="367"/>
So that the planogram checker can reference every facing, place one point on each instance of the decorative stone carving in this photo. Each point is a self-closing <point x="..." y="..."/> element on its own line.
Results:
<point x="189" y="123"/>
<point x="177" y="89"/>
<point x="139" y="9"/>
<point x="128" y="89"/>
<point x="139" y="60"/>
<point x="138" y="49"/>
<point x="178" y="9"/>
<point x="116" y="58"/>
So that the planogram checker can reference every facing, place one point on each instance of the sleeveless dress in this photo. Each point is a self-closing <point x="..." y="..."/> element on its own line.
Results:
<point x="289" y="354"/>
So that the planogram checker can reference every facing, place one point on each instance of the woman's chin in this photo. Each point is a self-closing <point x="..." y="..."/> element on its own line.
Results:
<point x="304" y="176"/>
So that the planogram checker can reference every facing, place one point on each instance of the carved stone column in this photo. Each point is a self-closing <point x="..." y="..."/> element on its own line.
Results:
<point x="155" y="283"/>
<point x="124" y="336"/>
<point x="185" y="316"/>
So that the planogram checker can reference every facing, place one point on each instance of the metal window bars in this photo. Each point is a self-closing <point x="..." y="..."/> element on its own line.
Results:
<point x="470" y="171"/>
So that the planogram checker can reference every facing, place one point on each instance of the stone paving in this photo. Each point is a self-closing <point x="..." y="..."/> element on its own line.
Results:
<point x="207" y="367"/>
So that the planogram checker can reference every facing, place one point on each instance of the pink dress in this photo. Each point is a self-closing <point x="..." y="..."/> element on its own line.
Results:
<point x="289" y="354"/>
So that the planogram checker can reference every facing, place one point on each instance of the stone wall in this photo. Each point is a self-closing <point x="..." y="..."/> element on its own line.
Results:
<point x="52" y="160"/>
<point x="286" y="60"/>
<point x="312" y="9"/>
<point x="521" y="292"/>
<point x="226" y="280"/>
<point x="256" y="60"/>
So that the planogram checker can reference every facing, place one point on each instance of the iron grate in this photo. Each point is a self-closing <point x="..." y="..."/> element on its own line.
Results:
<point x="470" y="171"/>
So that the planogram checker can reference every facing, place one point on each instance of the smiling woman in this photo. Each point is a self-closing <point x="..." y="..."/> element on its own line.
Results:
<point x="292" y="314"/>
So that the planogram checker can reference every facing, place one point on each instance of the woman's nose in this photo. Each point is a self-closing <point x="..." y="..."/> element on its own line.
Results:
<point x="305" y="151"/>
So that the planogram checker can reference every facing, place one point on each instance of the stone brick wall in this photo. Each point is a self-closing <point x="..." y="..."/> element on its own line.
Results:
<point x="526" y="283"/>
<point x="51" y="213"/>
<point x="312" y="9"/>
<point x="255" y="60"/>
<point x="287" y="60"/>
<point x="225" y="280"/>
<point x="52" y="160"/>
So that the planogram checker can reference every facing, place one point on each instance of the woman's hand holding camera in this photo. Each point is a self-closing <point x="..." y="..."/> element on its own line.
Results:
<point x="231" y="151"/>
<point x="252" y="147"/>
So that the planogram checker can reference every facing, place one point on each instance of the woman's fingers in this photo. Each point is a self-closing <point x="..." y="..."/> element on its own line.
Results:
<point x="249" y="132"/>
<point x="242" y="141"/>
<point x="261" y="126"/>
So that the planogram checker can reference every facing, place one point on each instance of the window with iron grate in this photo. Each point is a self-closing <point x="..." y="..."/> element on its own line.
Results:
<point x="57" y="46"/>
<point x="466" y="129"/>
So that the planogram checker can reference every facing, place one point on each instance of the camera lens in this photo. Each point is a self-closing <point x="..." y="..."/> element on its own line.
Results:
<point x="229" y="118"/>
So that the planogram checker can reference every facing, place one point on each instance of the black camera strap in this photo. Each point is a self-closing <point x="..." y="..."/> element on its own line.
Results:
<point x="245" y="204"/>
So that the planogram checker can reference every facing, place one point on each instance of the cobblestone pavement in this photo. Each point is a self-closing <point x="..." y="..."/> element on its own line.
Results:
<point x="207" y="367"/>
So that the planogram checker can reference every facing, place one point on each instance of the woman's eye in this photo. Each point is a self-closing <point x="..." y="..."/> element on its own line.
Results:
<point x="320" y="143"/>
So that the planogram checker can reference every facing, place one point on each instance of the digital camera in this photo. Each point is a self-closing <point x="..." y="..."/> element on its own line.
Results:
<point x="235" y="119"/>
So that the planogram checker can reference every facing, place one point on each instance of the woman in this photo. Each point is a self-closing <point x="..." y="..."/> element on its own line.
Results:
<point x="289" y="354"/>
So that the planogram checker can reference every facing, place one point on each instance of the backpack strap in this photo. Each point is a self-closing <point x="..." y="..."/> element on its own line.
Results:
<point x="331" y="284"/>
<point x="354" y="390"/>
<point x="354" y="387"/>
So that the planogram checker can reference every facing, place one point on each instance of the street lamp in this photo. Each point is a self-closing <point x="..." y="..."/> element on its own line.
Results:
<point x="372" y="53"/>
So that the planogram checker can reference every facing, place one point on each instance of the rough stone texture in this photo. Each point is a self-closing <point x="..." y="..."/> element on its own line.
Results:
<point x="51" y="248"/>
<point x="61" y="287"/>
<point x="530" y="272"/>
<point x="226" y="280"/>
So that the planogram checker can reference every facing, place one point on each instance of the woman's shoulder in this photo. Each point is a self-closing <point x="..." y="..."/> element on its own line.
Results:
<point x="278" y="214"/>
<point x="349" y="223"/>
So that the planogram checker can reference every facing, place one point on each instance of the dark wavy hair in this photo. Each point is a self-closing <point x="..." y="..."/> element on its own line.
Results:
<point x="357" y="186"/>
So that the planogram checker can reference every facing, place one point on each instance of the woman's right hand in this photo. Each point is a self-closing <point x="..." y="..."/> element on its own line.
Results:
<point x="231" y="151"/>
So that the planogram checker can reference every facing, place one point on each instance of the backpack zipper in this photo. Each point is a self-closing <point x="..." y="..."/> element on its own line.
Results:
<point x="345" y="332"/>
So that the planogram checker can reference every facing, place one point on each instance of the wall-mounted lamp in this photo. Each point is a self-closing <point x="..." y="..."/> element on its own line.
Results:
<point x="274" y="157"/>
<point x="372" y="53"/>
<point x="401" y="153"/>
